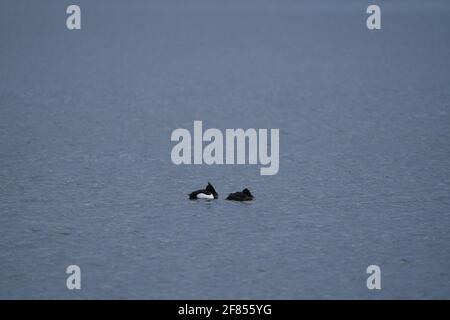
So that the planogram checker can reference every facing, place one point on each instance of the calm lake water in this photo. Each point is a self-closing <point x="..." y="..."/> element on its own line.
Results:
<point x="86" y="176"/>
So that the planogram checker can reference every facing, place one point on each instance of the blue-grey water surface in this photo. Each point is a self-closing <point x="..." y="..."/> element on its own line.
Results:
<point x="86" y="176"/>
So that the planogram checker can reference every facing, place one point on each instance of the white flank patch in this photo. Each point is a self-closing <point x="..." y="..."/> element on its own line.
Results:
<point x="205" y="196"/>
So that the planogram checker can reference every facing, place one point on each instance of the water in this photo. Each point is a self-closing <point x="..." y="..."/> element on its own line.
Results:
<point x="85" y="170"/>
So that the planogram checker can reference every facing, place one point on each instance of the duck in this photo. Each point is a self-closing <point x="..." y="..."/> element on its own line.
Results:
<point x="245" y="195"/>
<point x="208" y="193"/>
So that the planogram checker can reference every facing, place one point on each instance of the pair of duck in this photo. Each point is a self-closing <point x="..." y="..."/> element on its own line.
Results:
<point x="210" y="193"/>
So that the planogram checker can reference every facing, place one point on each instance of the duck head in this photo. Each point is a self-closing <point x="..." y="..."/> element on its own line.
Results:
<point x="211" y="189"/>
<point x="247" y="192"/>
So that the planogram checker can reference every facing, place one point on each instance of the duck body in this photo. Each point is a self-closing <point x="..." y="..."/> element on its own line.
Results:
<point x="208" y="193"/>
<point x="201" y="194"/>
<point x="245" y="195"/>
